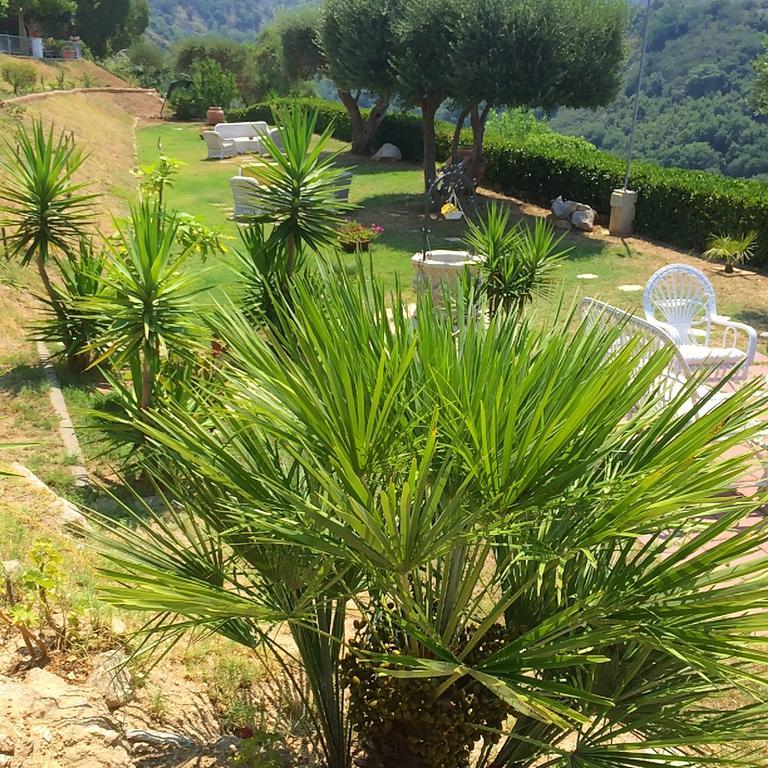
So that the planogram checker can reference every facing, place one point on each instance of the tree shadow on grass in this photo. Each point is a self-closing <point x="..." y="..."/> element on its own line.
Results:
<point x="23" y="378"/>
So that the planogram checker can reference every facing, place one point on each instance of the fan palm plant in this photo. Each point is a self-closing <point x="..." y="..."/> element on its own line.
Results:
<point x="299" y="185"/>
<point x="44" y="206"/>
<point x="535" y="553"/>
<point x="518" y="260"/>
<point x="732" y="251"/>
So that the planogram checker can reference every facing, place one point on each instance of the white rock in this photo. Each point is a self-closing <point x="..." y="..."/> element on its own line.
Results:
<point x="112" y="678"/>
<point x="563" y="208"/>
<point x="587" y="276"/>
<point x="584" y="219"/>
<point x="388" y="152"/>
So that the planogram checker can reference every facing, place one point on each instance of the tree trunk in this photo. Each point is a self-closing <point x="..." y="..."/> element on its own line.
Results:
<point x="22" y="25"/>
<point x="457" y="135"/>
<point x="478" y="121"/>
<point x="41" y="260"/>
<point x="147" y="380"/>
<point x="428" y="111"/>
<point x="363" y="129"/>
<point x="728" y="268"/>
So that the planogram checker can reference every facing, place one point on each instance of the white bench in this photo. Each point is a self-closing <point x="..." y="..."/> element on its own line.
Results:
<point x="246" y="135"/>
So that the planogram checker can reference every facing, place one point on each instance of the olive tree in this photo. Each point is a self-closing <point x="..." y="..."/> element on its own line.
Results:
<point x="534" y="53"/>
<point x="421" y="60"/>
<point x="357" y="42"/>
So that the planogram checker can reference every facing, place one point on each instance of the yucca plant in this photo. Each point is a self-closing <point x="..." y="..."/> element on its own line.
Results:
<point x="148" y="301"/>
<point x="46" y="209"/>
<point x="542" y="562"/>
<point x="732" y="251"/>
<point x="299" y="185"/>
<point x="70" y="322"/>
<point x="518" y="260"/>
<point x="261" y="266"/>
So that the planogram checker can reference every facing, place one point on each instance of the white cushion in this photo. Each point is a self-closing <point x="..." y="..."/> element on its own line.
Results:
<point x="697" y="354"/>
<point x="241" y="130"/>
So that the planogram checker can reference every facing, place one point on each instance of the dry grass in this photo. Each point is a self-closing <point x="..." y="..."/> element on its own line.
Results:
<point x="49" y="71"/>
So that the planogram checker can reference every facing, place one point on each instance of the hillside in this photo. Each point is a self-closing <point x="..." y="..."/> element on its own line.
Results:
<point x="696" y="110"/>
<point x="173" y="19"/>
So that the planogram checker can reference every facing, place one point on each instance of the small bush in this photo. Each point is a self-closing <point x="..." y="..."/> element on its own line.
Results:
<point x="211" y="86"/>
<point x="21" y="77"/>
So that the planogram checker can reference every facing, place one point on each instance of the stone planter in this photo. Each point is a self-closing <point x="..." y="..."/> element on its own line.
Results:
<point x="441" y="267"/>
<point x="215" y="115"/>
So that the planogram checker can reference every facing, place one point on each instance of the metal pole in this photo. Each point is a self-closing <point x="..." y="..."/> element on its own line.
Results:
<point x="637" y="94"/>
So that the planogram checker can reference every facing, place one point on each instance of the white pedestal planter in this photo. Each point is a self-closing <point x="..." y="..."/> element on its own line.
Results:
<point x="441" y="267"/>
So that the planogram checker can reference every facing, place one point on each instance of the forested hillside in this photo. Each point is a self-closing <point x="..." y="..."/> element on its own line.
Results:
<point x="237" y="19"/>
<point x="696" y="107"/>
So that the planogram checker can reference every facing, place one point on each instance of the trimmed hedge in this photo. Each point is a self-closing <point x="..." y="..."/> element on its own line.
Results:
<point x="675" y="206"/>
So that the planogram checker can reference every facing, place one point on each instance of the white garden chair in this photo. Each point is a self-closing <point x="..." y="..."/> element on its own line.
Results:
<point x="683" y="299"/>
<point x="219" y="148"/>
<point x="243" y="198"/>
<point x="653" y="338"/>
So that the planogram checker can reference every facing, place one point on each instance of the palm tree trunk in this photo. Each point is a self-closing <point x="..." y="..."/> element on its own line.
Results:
<point x="147" y="380"/>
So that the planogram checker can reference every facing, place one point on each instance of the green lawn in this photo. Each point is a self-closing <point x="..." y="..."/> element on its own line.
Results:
<point x="389" y="195"/>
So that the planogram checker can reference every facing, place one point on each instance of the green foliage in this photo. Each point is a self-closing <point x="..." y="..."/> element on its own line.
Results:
<point x="69" y="322"/>
<point x="154" y="178"/>
<point x="148" y="302"/>
<point x="177" y="19"/>
<point x="731" y="250"/>
<point x="41" y="603"/>
<point x="211" y="86"/>
<point x="111" y="26"/>
<point x="297" y="189"/>
<point x="358" y="39"/>
<point x="697" y="105"/>
<point x="143" y="63"/>
<point x="44" y="206"/>
<point x="507" y="505"/>
<point x="517" y="261"/>
<point x="21" y="77"/>
<point x="261" y="265"/>
<point x="262" y="750"/>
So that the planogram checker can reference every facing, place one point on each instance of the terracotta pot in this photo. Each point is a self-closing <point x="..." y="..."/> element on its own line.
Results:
<point x="215" y="115"/>
<point x="363" y="245"/>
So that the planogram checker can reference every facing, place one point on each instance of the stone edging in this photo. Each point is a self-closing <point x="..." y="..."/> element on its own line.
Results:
<point x="99" y="89"/>
<point x="66" y="428"/>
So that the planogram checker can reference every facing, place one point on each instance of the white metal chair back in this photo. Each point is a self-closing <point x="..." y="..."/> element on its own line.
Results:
<point x="652" y="339"/>
<point x="243" y="197"/>
<point x="682" y="297"/>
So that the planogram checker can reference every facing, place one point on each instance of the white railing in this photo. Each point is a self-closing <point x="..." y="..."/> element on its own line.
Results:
<point x="34" y="47"/>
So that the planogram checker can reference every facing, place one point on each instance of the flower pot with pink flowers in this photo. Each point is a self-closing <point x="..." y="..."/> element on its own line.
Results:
<point x="354" y="236"/>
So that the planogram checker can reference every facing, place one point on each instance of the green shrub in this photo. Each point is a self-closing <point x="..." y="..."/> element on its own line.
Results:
<point x="21" y="77"/>
<point x="211" y="86"/>
<point x="676" y="206"/>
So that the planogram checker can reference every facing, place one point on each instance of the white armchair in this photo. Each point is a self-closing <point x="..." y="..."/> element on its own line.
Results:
<point x="218" y="147"/>
<point x="682" y="299"/>
<point x="244" y="202"/>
